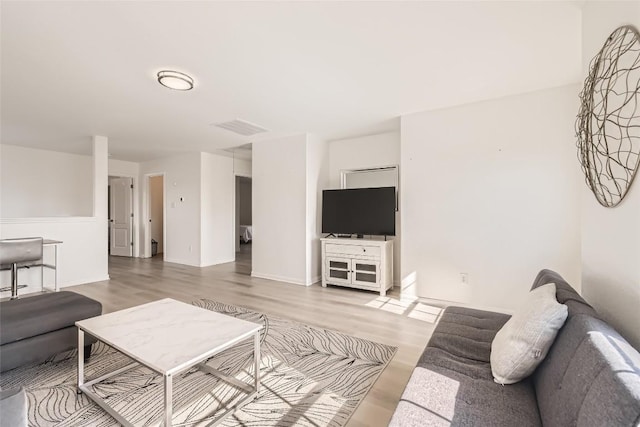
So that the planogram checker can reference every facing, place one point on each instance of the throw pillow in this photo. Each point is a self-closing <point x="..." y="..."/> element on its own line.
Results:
<point x="13" y="407"/>
<point x="524" y="341"/>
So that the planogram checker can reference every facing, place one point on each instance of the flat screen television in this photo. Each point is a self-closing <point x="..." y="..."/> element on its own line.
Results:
<point x="370" y="211"/>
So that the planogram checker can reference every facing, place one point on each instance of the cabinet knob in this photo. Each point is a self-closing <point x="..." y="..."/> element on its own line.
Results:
<point x="364" y="250"/>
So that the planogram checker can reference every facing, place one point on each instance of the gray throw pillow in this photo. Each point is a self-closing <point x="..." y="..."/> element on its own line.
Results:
<point x="524" y="341"/>
<point x="13" y="408"/>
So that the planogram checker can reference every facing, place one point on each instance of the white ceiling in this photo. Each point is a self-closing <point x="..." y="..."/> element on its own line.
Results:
<point x="337" y="69"/>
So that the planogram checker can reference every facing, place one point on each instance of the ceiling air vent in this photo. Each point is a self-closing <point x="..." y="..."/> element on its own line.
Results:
<point x="241" y="127"/>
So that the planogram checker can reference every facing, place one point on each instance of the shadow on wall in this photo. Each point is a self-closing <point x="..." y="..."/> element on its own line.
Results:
<point x="615" y="302"/>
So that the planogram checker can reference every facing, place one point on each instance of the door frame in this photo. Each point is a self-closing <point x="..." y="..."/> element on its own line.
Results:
<point x="236" y="213"/>
<point x="147" y="209"/>
<point x="136" y="210"/>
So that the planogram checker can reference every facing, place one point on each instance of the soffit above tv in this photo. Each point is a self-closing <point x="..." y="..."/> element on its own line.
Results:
<point x="241" y="127"/>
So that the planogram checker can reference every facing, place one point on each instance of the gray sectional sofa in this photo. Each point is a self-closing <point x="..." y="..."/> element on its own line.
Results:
<point x="591" y="376"/>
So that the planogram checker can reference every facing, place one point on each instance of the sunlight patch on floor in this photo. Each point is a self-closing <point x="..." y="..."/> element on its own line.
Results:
<point x="426" y="313"/>
<point x="412" y="309"/>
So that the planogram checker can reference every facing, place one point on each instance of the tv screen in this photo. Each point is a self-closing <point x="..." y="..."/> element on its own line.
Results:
<point x="369" y="211"/>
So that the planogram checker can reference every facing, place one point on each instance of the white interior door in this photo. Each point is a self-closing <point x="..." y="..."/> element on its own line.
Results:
<point x="121" y="217"/>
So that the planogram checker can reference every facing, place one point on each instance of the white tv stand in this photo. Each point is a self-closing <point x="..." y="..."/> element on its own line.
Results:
<point x="358" y="263"/>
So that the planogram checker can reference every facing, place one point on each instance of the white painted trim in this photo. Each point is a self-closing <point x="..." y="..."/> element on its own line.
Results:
<point x="315" y="279"/>
<point x="85" y="281"/>
<point x="45" y="220"/>
<point x="146" y="206"/>
<point x="234" y="204"/>
<point x="224" y="261"/>
<point x="236" y="227"/>
<point x="344" y="172"/>
<point x="179" y="261"/>
<point x="279" y="278"/>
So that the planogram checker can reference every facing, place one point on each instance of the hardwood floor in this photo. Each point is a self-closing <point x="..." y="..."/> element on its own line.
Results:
<point x="387" y="320"/>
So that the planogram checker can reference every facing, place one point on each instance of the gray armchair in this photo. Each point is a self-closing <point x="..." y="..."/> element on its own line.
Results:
<point x="16" y="253"/>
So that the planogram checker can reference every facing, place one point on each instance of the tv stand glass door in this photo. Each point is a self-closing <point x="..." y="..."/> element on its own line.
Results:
<point x="339" y="269"/>
<point x="365" y="272"/>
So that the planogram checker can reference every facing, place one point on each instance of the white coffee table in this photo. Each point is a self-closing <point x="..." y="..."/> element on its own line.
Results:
<point x="169" y="337"/>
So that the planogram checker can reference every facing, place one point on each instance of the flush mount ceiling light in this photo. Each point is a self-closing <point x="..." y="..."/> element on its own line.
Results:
<point x="175" y="80"/>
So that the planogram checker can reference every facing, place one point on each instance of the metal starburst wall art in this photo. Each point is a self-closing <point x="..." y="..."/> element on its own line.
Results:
<point x="608" y="123"/>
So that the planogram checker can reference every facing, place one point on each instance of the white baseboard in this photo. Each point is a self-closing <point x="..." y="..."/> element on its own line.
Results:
<point x="217" y="262"/>
<point x="279" y="278"/>
<point x="179" y="261"/>
<point x="82" y="281"/>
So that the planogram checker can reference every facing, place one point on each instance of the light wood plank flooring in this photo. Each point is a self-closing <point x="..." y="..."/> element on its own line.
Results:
<point x="407" y="326"/>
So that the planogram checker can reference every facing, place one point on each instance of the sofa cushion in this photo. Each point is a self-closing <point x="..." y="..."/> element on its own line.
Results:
<point x="524" y="341"/>
<point x="591" y="377"/>
<point x="436" y="396"/>
<point x="452" y="383"/>
<point x="30" y="316"/>
<point x="467" y="333"/>
<point x="13" y="408"/>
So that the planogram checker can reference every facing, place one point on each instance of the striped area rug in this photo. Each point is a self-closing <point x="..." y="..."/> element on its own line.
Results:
<point x="310" y="377"/>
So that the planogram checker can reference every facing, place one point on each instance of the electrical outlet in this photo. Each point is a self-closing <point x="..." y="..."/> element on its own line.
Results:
<point x="464" y="278"/>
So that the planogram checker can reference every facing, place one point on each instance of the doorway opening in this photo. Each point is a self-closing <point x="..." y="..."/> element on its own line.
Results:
<point x="156" y="232"/>
<point x="244" y="231"/>
<point x="120" y="214"/>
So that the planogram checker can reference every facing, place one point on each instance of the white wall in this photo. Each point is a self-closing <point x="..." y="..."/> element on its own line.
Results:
<point x="80" y="260"/>
<point x="156" y="210"/>
<point x="490" y="189"/>
<point x="82" y="257"/>
<point x="199" y="208"/>
<point x="218" y="194"/>
<point x="42" y="183"/>
<point x="182" y="217"/>
<point x="288" y="176"/>
<point x="123" y="168"/>
<point x="279" y="209"/>
<point x="242" y="167"/>
<point x="99" y="239"/>
<point x="368" y="152"/>
<point x="317" y="159"/>
<point x="611" y="237"/>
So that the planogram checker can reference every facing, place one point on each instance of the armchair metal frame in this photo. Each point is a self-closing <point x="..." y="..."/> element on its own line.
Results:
<point x="17" y="253"/>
